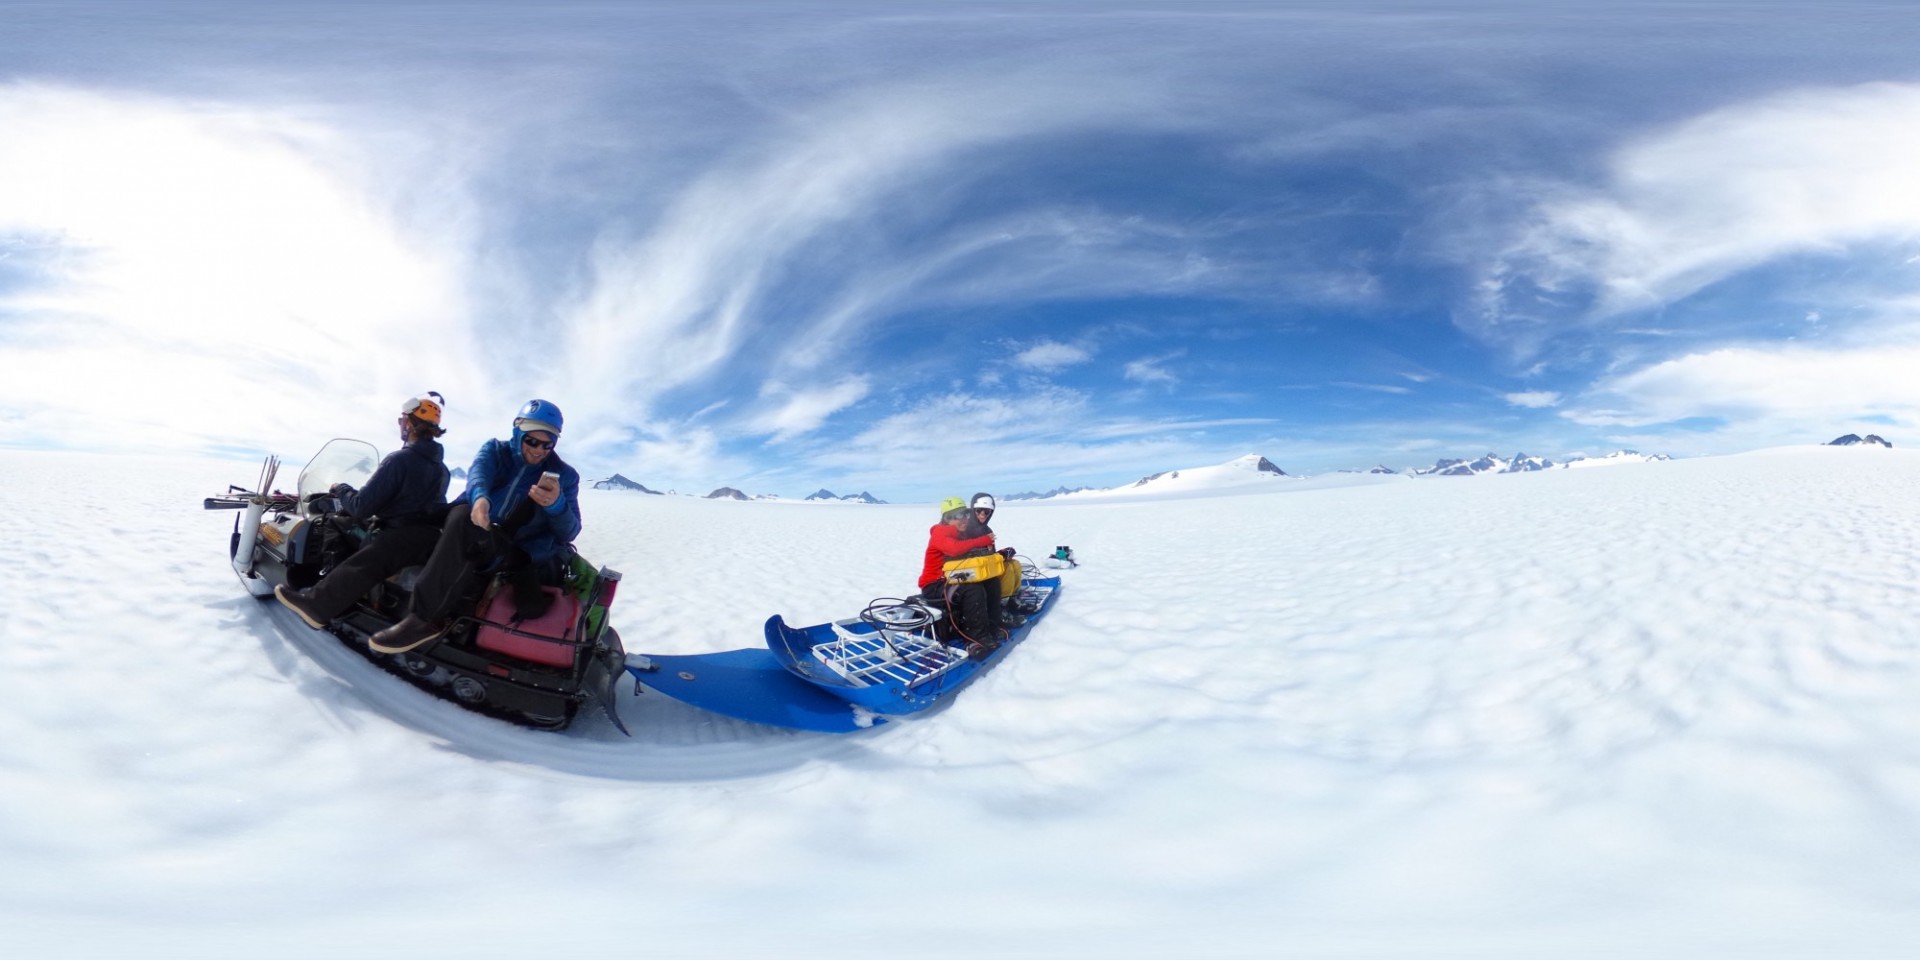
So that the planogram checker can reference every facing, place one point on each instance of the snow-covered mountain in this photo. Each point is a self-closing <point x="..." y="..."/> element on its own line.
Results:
<point x="1059" y="491"/>
<point x="825" y="494"/>
<point x="618" y="482"/>
<point x="1854" y="439"/>
<point x="1232" y="471"/>
<point x="1616" y="458"/>
<point x="727" y="493"/>
<point x="1467" y="468"/>
<point x="1521" y="463"/>
<point x="1252" y="470"/>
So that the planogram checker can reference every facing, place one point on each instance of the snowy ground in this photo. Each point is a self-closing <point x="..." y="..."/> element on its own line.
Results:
<point x="1662" y="710"/>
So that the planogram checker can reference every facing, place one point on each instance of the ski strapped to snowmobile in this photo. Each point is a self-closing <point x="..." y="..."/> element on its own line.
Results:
<point x="891" y="661"/>
<point x="536" y="672"/>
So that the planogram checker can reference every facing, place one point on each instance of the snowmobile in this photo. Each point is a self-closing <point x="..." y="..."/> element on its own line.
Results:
<point x="536" y="673"/>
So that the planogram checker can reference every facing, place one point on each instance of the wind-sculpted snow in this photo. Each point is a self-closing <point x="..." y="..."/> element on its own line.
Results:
<point x="1661" y="710"/>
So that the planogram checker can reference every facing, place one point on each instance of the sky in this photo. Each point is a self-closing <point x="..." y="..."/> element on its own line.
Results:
<point x="921" y="249"/>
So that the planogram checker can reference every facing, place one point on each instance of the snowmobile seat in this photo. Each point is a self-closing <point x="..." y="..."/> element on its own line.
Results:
<point x="545" y="640"/>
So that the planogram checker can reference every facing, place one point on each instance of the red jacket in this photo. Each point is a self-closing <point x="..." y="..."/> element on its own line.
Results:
<point x="945" y="543"/>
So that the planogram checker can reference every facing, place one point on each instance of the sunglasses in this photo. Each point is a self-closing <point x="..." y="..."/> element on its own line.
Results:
<point x="538" y="444"/>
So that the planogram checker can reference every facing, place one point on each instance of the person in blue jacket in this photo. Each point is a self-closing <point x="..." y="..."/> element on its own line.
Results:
<point x="518" y="516"/>
<point x="405" y="500"/>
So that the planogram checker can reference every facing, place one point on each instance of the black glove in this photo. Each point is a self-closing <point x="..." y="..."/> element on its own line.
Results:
<point x="339" y="490"/>
<point x="1007" y="553"/>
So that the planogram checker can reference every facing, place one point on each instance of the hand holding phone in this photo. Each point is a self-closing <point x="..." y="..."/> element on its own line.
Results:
<point x="547" y="490"/>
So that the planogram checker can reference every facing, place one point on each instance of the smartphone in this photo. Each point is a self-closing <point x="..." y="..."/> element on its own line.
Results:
<point x="550" y="479"/>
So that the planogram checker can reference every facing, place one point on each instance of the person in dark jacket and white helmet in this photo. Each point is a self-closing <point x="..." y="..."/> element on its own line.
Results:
<point x="405" y="499"/>
<point x="980" y="513"/>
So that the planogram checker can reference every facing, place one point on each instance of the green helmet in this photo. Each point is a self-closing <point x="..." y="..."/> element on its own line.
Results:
<point x="952" y="506"/>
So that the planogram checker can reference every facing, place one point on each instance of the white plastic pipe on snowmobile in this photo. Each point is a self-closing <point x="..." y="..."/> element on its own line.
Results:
<point x="250" y="521"/>
<point x="249" y="536"/>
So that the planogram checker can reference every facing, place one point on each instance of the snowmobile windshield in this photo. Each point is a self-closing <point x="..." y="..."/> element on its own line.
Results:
<point x="340" y="461"/>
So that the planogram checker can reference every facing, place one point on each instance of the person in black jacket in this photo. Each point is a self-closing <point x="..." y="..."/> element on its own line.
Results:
<point x="405" y="499"/>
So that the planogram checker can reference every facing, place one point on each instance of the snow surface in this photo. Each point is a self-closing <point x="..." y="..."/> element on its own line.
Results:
<point x="1660" y="711"/>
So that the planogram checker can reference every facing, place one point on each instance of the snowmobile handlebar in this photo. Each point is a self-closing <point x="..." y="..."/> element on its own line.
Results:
<point x="239" y="499"/>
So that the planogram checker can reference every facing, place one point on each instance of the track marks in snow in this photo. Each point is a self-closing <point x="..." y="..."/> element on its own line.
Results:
<point x="1311" y="696"/>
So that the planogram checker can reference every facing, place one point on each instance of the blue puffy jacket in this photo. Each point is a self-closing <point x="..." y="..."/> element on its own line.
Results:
<point x="409" y="487"/>
<point x="503" y="477"/>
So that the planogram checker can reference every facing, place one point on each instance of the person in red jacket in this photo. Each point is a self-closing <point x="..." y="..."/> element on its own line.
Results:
<point x="957" y="574"/>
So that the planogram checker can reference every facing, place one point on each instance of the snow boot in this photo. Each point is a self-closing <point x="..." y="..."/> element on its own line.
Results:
<point x="1010" y="616"/>
<point x="300" y="602"/>
<point x="980" y="650"/>
<point x="409" y="634"/>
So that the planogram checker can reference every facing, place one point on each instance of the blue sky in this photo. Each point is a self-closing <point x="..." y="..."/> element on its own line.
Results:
<point x="915" y="248"/>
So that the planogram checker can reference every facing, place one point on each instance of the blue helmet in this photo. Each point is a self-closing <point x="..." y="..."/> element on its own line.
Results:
<point x="539" y="415"/>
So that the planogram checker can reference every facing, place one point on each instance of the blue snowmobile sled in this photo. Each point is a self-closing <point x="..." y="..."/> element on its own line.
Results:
<point x="890" y="661"/>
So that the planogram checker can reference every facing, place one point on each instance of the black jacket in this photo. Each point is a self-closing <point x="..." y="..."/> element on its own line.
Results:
<point x="409" y="486"/>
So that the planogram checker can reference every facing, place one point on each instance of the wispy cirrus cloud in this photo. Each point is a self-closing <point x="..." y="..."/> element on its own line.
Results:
<point x="1682" y="208"/>
<point x="1392" y="388"/>
<point x="803" y="411"/>
<point x="1532" y="399"/>
<point x="1051" y="355"/>
<point x="1152" y="370"/>
<point x="1810" y="386"/>
<point x="1042" y="436"/>
<point x="1677" y="272"/>
<point x="685" y="299"/>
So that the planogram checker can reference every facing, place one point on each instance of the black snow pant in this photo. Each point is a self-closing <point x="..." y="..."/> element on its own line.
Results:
<point x="971" y="608"/>
<point x="390" y="551"/>
<point x="462" y="557"/>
